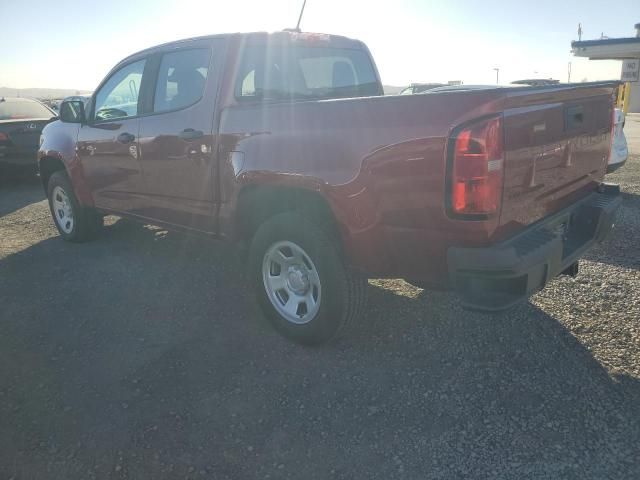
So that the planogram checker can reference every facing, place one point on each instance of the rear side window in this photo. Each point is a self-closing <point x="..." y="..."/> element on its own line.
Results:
<point x="118" y="97"/>
<point x="301" y="73"/>
<point x="181" y="79"/>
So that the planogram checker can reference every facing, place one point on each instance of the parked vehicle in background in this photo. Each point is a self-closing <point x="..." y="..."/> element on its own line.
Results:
<point x="419" y="88"/>
<point x="619" y="149"/>
<point x="462" y="88"/>
<point x="536" y="82"/>
<point x="284" y="142"/>
<point x="21" y="123"/>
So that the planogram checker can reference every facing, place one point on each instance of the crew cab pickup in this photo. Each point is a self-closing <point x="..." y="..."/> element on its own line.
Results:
<point x="284" y="143"/>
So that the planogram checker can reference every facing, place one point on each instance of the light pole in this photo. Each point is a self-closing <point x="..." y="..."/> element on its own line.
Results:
<point x="497" y="76"/>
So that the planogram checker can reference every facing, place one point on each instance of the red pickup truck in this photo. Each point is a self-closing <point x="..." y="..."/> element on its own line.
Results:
<point x="284" y="142"/>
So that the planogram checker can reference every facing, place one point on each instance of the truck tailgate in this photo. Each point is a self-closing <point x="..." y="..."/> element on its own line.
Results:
<point x="557" y="143"/>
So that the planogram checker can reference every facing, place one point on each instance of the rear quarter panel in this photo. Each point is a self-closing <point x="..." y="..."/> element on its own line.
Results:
<point x="379" y="161"/>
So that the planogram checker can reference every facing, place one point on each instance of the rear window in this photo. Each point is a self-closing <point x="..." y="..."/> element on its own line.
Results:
<point x="23" y="109"/>
<point x="305" y="73"/>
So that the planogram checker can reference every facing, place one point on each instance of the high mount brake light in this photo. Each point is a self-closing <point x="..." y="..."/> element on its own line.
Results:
<point x="477" y="168"/>
<point x="311" y="38"/>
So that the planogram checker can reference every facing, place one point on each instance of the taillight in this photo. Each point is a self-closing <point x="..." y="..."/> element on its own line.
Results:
<point x="476" y="171"/>
<point x="3" y="137"/>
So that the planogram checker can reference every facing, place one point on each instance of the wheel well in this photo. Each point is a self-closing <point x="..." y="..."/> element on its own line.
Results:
<point x="48" y="166"/>
<point x="256" y="204"/>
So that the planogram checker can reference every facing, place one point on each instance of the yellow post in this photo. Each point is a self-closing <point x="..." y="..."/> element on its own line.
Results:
<point x="620" y="96"/>
<point x="626" y="97"/>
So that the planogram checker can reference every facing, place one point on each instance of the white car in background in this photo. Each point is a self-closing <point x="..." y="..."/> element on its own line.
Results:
<point x="619" y="150"/>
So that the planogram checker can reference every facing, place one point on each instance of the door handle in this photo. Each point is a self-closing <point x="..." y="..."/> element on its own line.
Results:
<point x="126" y="138"/>
<point x="190" y="134"/>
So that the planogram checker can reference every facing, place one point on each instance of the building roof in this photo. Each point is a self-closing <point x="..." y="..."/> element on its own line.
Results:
<point x="608" y="48"/>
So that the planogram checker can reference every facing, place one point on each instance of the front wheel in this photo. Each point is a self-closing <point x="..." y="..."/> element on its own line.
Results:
<point x="301" y="282"/>
<point x="74" y="222"/>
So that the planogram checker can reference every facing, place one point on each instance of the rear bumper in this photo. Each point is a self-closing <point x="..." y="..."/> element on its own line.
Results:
<point x="612" y="167"/>
<point x="497" y="277"/>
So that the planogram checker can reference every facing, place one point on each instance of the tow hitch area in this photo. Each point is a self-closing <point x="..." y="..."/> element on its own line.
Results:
<point x="571" y="270"/>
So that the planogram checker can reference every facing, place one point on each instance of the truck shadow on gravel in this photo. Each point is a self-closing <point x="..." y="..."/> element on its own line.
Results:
<point x="19" y="189"/>
<point x="622" y="248"/>
<point x="143" y="355"/>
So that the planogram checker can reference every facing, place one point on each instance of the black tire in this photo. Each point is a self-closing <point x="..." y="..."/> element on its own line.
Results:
<point x="86" y="221"/>
<point x="343" y="291"/>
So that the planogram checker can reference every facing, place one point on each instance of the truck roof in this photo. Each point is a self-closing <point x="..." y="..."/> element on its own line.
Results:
<point x="284" y="37"/>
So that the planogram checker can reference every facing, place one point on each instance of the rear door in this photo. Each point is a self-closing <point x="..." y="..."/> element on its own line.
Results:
<point x="177" y="138"/>
<point x="108" y="144"/>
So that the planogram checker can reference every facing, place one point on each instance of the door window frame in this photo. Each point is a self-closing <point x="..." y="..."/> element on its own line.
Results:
<point x="217" y="53"/>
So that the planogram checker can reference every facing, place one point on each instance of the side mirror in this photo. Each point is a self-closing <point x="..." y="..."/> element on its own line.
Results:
<point x="72" y="111"/>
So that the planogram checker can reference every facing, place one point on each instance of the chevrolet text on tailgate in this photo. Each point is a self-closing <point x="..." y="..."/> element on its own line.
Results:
<point x="284" y="142"/>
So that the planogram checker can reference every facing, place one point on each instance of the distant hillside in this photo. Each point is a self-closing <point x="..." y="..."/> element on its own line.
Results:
<point x="44" y="93"/>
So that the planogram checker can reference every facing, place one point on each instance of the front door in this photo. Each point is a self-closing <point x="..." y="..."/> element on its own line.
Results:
<point x="108" y="143"/>
<point x="177" y="141"/>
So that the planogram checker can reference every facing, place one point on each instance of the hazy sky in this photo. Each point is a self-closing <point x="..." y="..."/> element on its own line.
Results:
<point x="73" y="43"/>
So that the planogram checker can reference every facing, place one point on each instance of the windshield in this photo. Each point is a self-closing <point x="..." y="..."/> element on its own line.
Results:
<point x="10" y="110"/>
<point x="306" y="73"/>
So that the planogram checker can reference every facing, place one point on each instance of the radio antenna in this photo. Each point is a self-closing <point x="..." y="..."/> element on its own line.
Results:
<point x="304" y="4"/>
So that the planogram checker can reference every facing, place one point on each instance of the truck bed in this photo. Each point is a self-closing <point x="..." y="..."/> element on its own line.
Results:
<point x="395" y="146"/>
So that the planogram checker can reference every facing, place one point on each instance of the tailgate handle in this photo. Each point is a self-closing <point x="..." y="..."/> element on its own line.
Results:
<point x="575" y="117"/>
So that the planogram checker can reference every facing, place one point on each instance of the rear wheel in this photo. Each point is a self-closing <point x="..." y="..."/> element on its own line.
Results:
<point x="301" y="282"/>
<point x="74" y="222"/>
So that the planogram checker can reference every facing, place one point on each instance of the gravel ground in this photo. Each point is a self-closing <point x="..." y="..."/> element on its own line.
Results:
<point x="142" y="355"/>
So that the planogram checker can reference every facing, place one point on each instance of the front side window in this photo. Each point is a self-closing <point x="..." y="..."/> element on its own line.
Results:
<point x="118" y="97"/>
<point x="305" y="73"/>
<point x="181" y="79"/>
